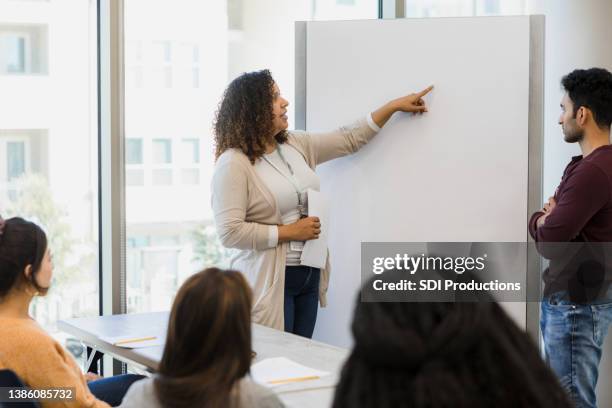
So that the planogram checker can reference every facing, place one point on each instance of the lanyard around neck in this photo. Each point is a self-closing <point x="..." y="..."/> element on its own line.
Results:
<point x="291" y="179"/>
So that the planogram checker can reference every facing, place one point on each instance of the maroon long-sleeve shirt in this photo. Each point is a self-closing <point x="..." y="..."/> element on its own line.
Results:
<point x="583" y="214"/>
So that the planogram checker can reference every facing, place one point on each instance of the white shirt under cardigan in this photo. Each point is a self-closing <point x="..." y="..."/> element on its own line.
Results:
<point x="283" y="189"/>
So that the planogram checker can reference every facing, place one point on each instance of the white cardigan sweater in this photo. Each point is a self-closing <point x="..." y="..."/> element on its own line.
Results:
<point x="244" y="209"/>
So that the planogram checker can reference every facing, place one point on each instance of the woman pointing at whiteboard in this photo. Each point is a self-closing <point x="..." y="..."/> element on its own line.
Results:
<point x="261" y="175"/>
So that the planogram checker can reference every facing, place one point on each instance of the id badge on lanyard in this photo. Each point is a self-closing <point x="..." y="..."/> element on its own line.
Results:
<point x="301" y="196"/>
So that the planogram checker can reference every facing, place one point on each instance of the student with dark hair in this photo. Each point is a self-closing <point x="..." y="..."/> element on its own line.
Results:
<point x="207" y="355"/>
<point x="25" y="348"/>
<point x="434" y="355"/>
<point x="572" y="231"/>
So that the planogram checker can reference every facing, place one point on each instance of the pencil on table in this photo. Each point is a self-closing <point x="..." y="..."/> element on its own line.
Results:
<point x="136" y="340"/>
<point x="296" y="379"/>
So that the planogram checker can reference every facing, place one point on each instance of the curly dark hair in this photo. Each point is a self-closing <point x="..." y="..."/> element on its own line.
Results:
<point x="244" y="118"/>
<point x="591" y="88"/>
<point x="436" y="355"/>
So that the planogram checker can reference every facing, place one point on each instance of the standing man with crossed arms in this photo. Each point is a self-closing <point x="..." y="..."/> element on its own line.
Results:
<point x="576" y="221"/>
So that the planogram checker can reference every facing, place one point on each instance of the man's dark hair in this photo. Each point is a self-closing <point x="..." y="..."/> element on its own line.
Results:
<point x="591" y="88"/>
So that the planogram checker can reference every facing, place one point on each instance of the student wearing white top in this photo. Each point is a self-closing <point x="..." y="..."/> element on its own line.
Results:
<point x="258" y="194"/>
<point x="208" y="352"/>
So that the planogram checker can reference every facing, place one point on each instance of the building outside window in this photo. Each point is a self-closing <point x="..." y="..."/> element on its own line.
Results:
<point x="49" y="145"/>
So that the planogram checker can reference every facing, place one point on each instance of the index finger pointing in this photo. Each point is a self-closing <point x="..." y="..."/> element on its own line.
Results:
<point x="425" y="91"/>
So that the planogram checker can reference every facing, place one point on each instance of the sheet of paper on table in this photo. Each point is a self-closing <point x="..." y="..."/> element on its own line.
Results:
<point x="315" y="250"/>
<point x="277" y="371"/>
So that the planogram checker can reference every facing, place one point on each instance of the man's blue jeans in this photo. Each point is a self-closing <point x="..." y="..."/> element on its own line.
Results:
<point x="301" y="299"/>
<point x="574" y="335"/>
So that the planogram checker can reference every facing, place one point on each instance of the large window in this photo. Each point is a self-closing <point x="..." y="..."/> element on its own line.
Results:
<point x="175" y="76"/>
<point x="49" y="144"/>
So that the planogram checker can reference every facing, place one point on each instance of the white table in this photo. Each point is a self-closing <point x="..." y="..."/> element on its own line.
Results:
<point x="267" y="343"/>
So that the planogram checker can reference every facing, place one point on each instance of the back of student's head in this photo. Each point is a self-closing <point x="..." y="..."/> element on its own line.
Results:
<point x="22" y="243"/>
<point x="464" y="354"/>
<point x="591" y="88"/>
<point x="208" y="346"/>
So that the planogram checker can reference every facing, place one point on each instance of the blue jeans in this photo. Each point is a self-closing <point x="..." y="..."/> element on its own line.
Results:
<point x="301" y="299"/>
<point x="574" y="335"/>
<point x="112" y="389"/>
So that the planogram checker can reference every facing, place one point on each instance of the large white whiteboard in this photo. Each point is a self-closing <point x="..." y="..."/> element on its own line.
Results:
<point x="457" y="173"/>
